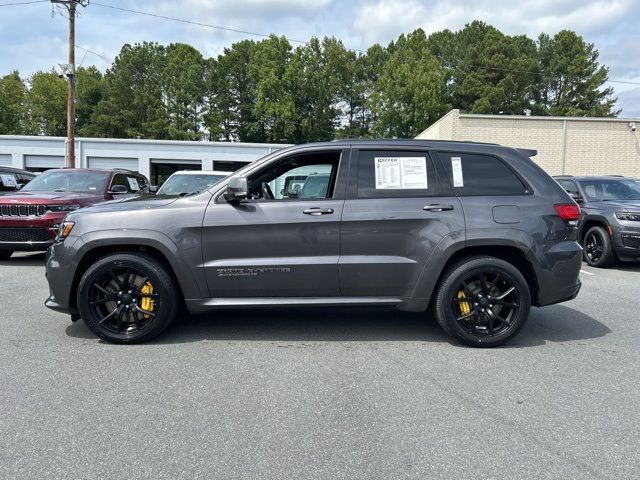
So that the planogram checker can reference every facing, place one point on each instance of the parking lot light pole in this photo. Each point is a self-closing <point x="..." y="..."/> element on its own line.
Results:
<point x="70" y="72"/>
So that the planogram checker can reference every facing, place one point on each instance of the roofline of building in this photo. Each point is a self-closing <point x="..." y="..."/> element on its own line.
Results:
<point x="539" y="117"/>
<point x="144" y="141"/>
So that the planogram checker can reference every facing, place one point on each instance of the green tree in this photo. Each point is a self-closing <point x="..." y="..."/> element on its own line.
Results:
<point x="12" y="104"/>
<point x="272" y="115"/>
<point x="314" y="77"/>
<point x="491" y="72"/>
<point x="183" y="91"/>
<point x="410" y="94"/>
<point x="133" y="104"/>
<point x="89" y="93"/>
<point x="46" y="105"/>
<point x="571" y="80"/>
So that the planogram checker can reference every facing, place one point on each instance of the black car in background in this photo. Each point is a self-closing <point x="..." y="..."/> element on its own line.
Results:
<point x="609" y="228"/>
<point x="12" y="179"/>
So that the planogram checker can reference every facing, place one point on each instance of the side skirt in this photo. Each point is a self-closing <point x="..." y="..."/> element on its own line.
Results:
<point x="208" y="304"/>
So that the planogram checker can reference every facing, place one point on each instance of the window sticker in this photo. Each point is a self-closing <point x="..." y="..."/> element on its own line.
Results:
<point x="133" y="183"/>
<point x="401" y="173"/>
<point x="456" y="168"/>
<point x="8" y="180"/>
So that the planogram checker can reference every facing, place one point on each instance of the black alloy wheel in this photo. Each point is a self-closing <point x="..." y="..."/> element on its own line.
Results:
<point x="127" y="297"/>
<point x="123" y="300"/>
<point x="594" y="247"/>
<point x="482" y="301"/>
<point x="486" y="304"/>
<point x="598" y="248"/>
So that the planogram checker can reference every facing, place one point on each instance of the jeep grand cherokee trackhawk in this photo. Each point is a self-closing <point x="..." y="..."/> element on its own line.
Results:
<point x="477" y="232"/>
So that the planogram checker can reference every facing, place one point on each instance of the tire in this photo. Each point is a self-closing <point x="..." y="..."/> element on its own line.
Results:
<point x="491" y="316"/>
<point x="5" y="254"/>
<point x="114" y="292"/>
<point x="597" y="248"/>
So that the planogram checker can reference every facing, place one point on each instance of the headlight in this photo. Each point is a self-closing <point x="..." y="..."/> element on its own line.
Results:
<point x="65" y="230"/>
<point x="62" y="208"/>
<point x="630" y="217"/>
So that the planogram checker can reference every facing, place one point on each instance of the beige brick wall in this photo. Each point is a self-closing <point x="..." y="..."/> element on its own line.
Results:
<point x="593" y="147"/>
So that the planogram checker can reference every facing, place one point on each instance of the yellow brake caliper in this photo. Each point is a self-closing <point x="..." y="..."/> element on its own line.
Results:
<point x="147" y="303"/>
<point x="464" y="306"/>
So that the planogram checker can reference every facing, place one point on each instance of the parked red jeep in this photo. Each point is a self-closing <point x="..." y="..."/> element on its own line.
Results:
<point x="30" y="218"/>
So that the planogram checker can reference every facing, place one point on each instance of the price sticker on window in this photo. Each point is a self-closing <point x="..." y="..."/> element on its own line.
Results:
<point x="456" y="169"/>
<point x="9" y="180"/>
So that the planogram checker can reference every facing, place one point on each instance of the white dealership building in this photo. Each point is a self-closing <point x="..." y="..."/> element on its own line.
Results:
<point x="156" y="159"/>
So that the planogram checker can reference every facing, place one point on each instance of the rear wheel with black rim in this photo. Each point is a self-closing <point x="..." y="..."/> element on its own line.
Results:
<point x="127" y="298"/>
<point x="5" y="254"/>
<point x="597" y="248"/>
<point x="482" y="301"/>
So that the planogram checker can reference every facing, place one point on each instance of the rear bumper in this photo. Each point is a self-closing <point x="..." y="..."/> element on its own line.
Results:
<point x="559" y="275"/>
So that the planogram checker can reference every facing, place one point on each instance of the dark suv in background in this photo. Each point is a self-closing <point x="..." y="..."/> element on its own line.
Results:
<point x="477" y="232"/>
<point x="31" y="217"/>
<point x="609" y="228"/>
<point x="13" y="179"/>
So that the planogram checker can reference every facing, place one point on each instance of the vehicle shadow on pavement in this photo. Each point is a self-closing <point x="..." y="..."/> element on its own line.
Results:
<point x="36" y="259"/>
<point x="296" y="325"/>
<point x="555" y="324"/>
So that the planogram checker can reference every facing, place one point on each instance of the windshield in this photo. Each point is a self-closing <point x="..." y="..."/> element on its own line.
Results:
<point x="611" y="189"/>
<point x="183" y="184"/>
<point x="68" y="181"/>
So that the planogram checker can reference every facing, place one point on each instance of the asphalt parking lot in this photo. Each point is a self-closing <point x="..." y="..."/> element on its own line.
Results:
<point x="321" y="393"/>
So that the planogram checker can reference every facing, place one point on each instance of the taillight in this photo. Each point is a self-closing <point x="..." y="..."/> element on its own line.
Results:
<point x="569" y="212"/>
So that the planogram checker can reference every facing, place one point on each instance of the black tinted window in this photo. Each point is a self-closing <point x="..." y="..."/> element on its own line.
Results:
<point x="395" y="174"/>
<point x="568" y="185"/>
<point x="473" y="174"/>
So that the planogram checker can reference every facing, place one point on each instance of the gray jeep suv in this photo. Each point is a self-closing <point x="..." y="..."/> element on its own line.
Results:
<point x="610" y="225"/>
<point x="477" y="232"/>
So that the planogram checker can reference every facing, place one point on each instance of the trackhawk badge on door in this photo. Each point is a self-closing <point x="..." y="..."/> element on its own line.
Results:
<point x="250" y="272"/>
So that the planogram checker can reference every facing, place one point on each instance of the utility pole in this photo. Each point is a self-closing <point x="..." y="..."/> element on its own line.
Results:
<point x="69" y="71"/>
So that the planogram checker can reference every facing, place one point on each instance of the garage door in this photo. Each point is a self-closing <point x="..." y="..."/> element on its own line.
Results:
<point x="113" y="162"/>
<point x="44" y="161"/>
<point x="5" y="160"/>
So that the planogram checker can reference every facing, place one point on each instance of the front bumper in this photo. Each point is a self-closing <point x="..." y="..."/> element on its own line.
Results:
<point x="60" y="272"/>
<point x="29" y="234"/>
<point x="626" y="241"/>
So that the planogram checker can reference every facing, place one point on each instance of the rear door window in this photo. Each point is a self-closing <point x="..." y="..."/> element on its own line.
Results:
<point x="395" y="174"/>
<point x="472" y="174"/>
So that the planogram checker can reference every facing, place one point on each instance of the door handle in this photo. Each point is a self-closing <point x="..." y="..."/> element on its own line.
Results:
<point x="437" y="208"/>
<point x="318" y="211"/>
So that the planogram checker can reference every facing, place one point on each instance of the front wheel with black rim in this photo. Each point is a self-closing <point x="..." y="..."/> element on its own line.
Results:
<point x="482" y="301"/>
<point x="597" y="248"/>
<point x="127" y="298"/>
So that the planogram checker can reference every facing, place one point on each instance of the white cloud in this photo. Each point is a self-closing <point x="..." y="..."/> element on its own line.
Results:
<point x="253" y="8"/>
<point x="383" y="20"/>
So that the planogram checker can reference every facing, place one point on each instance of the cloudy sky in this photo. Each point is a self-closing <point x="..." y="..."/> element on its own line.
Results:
<point x="30" y="39"/>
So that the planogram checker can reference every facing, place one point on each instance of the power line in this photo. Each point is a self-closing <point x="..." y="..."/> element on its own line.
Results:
<point x="22" y="3"/>
<point x="191" y="22"/>
<point x="106" y="59"/>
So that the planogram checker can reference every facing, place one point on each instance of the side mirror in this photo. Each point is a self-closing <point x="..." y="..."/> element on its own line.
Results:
<point x="237" y="189"/>
<point x="153" y="188"/>
<point x="118" y="189"/>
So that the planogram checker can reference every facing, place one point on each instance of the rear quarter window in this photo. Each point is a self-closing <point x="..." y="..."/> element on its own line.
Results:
<point x="473" y="174"/>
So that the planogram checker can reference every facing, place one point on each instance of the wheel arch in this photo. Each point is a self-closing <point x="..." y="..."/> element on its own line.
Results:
<point x="589" y="222"/>
<point x="96" y="248"/>
<point x="510" y="254"/>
